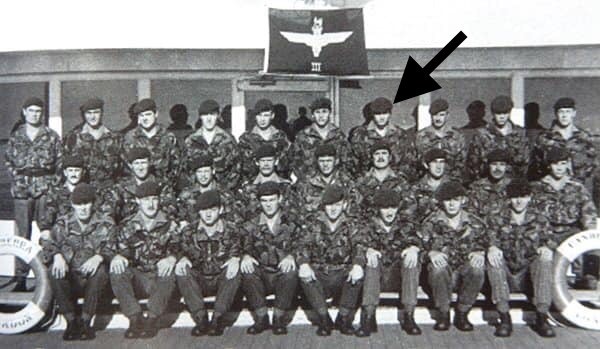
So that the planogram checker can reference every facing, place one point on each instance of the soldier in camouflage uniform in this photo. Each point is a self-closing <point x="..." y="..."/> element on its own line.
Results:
<point x="501" y="133"/>
<point x="392" y="262"/>
<point x="456" y="242"/>
<point x="33" y="159"/>
<point x="209" y="263"/>
<point x="79" y="248"/>
<point x="380" y="129"/>
<point x="269" y="262"/>
<point x="218" y="143"/>
<point x="423" y="192"/>
<point x="443" y="136"/>
<point x="322" y="131"/>
<point x="485" y="194"/>
<point x="263" y="133"/>
<point x="100" y="147"/>
<point x="145" y="255"/>
<point x="162" y="144"/>
<point x="331" y="257"/>
<point x="520" y="257"/>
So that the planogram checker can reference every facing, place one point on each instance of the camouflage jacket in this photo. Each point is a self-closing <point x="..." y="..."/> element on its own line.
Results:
<point x="103" y="156"/>
<point x="225" y="152"/>
<point x="519" y="242"/>
<point x="270" y="247"/>
<point x="143" y="246"/>
<point x="34" y="165"/>
<point x="165" y="155"/>
<point x="485" y="196"/>
<point x="424" y="198"/>
<point x="453" y="142"/>
<point x="250" y="205"/>
<point x="312" y="187"/>
<point x="186" y="202"/>
<point x="489" y="138"/>
<point x="369" y="184"/>
<point x="457" y="244"/>
<point x="250" y="141"/>
<point x="302" y="151"/>
<point x="402" y="235"/>
<point x="208" y="253"/>
<point x="403" y="149"/>
<point x="77" y="244"/>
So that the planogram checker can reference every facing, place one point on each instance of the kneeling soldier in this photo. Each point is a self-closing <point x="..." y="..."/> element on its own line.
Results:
<point x="521" y="250"/>
<point x="80" y="243"/>
<point x="392" y="262"/>
<point x="268" y="242"/>
<point x="146" y="250"/>
<point x="331" y="258"/>
<point x="209" y="264"/>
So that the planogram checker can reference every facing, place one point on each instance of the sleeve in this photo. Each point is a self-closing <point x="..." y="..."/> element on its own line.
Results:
<point x="412" y="236"/>
<point x="360" y="150"/>
<point x="185" y="245"/>
<point x="58" y="150"/>
<point x="247" y="239"/>
<point x="304" y="245"/>
<point x="9" y="156"/>
<point x="247" y="166"/>
<point x="234" y="244"/>
<point x="121" y="241"/>
<point x="48" y="211"/>
<point x="175" y="159"/>
<point x="588" y="211"/>
<point x="360" y="241"/>
<point x="105" y="242"/>
<point x="474" y="158"/>
<point x="56" y="242"/>
<point x="429" y="238"/>
<point x="482" y="241"/>
<point x="296" y="157"/>
<point x="520" y="155"/>
<point x="231" y="164"/>
<point x="283" y="160"/>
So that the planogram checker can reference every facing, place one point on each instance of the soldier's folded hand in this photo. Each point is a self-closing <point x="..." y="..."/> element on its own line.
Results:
<point x="355" y="274"/>
<point x="495" y="256"/>
<point x="182" y="266"/>
<point x="545" y="253"/>
<point x="165" y="266"/>
<point x="118" y="264"/>
<point x="91" y="265"/>
<point x="45" y="234"/>
<point x="476" y="259"/>
<point x="306" y="273"/>
<point x="287" y="264"/>
<point x="373" y="257"/>
<point x="410" y="256"/>
<point x="438" y="259"/>
<point x="59" y="266"/>
<point x="247" y="264"/>
<point x="233" y="266"/>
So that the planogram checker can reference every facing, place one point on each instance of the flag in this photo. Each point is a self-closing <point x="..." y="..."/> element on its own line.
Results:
<point x="327" y="42"/>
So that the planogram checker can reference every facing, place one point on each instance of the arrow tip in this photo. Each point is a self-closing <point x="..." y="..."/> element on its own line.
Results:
<point x="415" y="82"/>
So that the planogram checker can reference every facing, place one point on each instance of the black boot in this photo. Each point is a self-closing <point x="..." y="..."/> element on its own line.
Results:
<point x="73" y="330"/>
<point x="279" y="327"/>
<point x="201" y="327"/>
<point x="216" y="327"/>
<point x="442" y="323"/>
<point x="542" y="327"/>
<point x="343" y="323"/>
<point x="150" y="327"/>
<point x="87" y="331"/>
<point x="325" y="325"/>
<point x="366" y="321"/>
<point x="504" y="328"/>
<point x="409" y="325"/>
<point x="136" y="326"/>
<point x="259" y="326"/>
<point x="461" y="321"/>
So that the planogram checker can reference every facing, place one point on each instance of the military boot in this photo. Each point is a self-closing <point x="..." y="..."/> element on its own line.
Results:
<point x="542" y="327"/>
<point x="201" y="327"/>
<point x="343" y="323"/>
<point x="442" y="323"/>
<point x="325" y="325"/>
<point x="73" y="330"/>
<point x="409" y="325"/>
<point x="87" y="331"/>
<point x="136" y="326"/>
<point x="259" y="326"/>
<point x="365" y="324"/>
<point x="504" y="328"/>
<point x="461" y="321"/>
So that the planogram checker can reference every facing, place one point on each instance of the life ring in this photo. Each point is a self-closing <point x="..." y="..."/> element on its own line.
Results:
<point x="35" y="310"/>
<point x="564" y="301"/>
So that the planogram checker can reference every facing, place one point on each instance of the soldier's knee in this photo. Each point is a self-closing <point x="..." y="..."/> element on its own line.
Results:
<point x="290" y="275"/>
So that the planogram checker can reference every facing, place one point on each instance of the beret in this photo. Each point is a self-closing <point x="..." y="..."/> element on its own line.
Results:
<point x="564" y="102"/>
<point x="92" y="103"/>
<point x="385" y="198"/>
<point x="144" y="105"/>
<point x="208" y="199"/>
<point x="498" y="155"/>
<point x="381" y="144"/>
<point x="438" y="105"/>
<point x="268" y="188"/>
<point x="148" y="188"/>
<point x="74" y="160"/>
<point x="265" y="151"/>
<point x="381" y="105"/>
<point x="137" y="153"/>
<point x="501" y="105"/>
<point x="202" y="160"/>
<point x="476" y="107"/>
<point x="434" y="153"/>
<point x="83" y="194"/>
<point x="325" y="149"/>
<point x="178" y="109"/>
<point x="518" y="187"/>
<point x="332" y="194"/>
<point x="209" y="106"/>
<point x="449" y="190"/>
<point x="556" y="154"/>
<point x="320" y="103"/>
<point x="33" y="101"/>
<point x="263" y="105"/>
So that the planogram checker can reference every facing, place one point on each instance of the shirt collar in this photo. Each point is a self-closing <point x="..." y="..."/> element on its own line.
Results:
<point x="87" y="129"/>
<point x="219" y="227"/>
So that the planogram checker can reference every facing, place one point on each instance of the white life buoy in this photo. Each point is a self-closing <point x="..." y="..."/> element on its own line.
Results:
<point x="35" y="310"/>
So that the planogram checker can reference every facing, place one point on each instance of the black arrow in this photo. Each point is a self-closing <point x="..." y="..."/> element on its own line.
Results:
<point x="416" y="80"/>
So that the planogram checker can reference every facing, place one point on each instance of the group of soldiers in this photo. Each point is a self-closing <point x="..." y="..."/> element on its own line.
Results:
<point x="325" y="215"/>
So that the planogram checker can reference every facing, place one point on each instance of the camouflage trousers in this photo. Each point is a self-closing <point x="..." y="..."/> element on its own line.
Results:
<point x="392" y="278"/>
<point x="74" y="284"/>
<point x="537" y="276"/>
<point x="263" y="281"/>
<point x="467" y="280"/>
<point x="331" y="282"/>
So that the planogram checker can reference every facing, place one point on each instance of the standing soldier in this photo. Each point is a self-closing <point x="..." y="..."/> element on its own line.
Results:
<point x="331" y="258"/>
<point x="33" y="158"/>
<point x="100" y="147"/>
<point x="322" y="131"/>
<point x="520" y="250"/>
<point x="80" y="247"/>
<point x="209" y="264"/>
<point x="263" y="133"/>
<point x="443" y="136"/>
<point x="423" y="192"/>
<point x="501" y="133"/>
<point x="457" y="244"/>
<point x="268" y="266"/>
<point x="487" y="193"/>
<point x="219" y="144"/>
<point x="145" y="256"/>
<point x="392" y="262"/>
<point x="380" y="129"/>
<point x="162" y="144"/>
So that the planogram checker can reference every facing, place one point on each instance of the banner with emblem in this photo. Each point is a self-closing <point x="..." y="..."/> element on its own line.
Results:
<point x="327" y="42"/>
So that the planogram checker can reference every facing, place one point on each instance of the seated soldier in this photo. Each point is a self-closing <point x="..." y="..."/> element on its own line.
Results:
<point x="146" y="250"/>
<point x="423" y="192"/>
<point x="331" y="256"/>
<point x="209" y="264"/>
<point x="457" y="243"/>
<point x="392" y="262"/>
<point x="80" y="244"/>
<point x="486" y="193"/>
<point x="520" y="257"/>
<point x="268" y="264"/>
